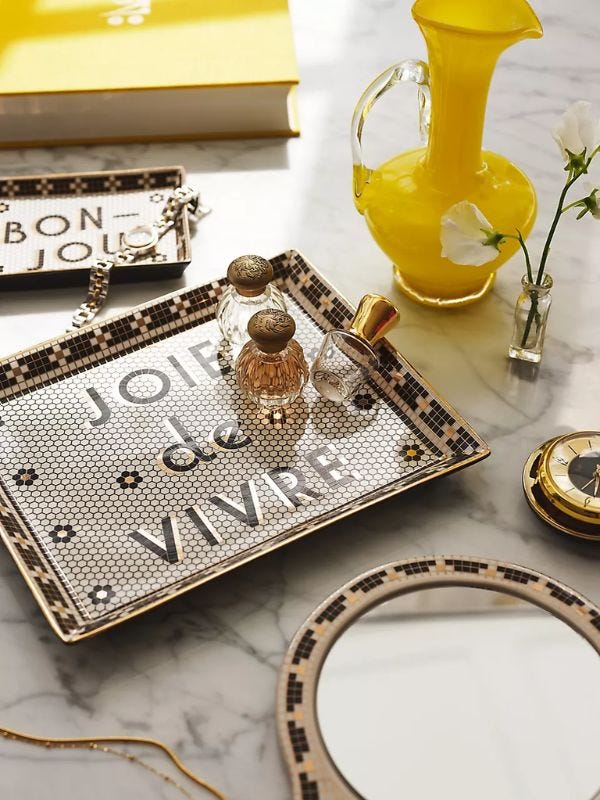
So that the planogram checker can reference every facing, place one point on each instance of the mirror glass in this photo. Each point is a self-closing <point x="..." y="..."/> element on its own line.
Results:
<point x="466" y="693"/>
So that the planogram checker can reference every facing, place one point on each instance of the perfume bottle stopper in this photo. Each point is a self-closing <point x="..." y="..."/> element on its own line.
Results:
<point x="250" y="275"/>
<point x="374" y="317"/>
<point x="271" y="330"/>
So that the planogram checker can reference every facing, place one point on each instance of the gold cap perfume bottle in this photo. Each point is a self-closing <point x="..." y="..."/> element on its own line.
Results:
<point x="271" y="369"/>
<point x="250" y="290"/>
<point x="346" y="358"/>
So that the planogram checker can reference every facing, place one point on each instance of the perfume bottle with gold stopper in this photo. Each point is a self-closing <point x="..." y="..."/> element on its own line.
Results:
<point x="271" y="369"/>
<point x="250" y="290"/>
<point x="347" y="358"/>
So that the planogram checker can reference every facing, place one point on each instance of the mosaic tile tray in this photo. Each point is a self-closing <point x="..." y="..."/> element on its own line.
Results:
<point x="54" y="227"/>
<point x="131" y="468"/>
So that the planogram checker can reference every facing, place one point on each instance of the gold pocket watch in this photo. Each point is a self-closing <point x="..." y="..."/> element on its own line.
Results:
<point x="561" y="480"/>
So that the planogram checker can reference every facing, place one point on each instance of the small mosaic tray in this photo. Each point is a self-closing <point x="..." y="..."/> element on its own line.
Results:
<point x="54" y="227"/>
<point x="131" y="468"/>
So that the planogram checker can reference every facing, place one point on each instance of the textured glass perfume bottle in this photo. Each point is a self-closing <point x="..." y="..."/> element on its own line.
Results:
<point x="250" y="290"/>
<point x="271" y="369"/>
<point x="346" y="358"/>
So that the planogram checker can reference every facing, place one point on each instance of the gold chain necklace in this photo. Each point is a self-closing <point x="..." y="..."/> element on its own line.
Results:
<point x="104" y="744"/>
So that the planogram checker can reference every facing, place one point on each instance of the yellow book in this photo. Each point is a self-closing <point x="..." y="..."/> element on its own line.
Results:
<point x="100" y="70"/>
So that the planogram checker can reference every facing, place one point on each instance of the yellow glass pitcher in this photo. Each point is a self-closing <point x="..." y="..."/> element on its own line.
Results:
<point x="403" y="199"/>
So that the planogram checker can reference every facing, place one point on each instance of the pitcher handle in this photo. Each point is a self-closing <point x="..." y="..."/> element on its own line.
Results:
<point x="413" y="71"/>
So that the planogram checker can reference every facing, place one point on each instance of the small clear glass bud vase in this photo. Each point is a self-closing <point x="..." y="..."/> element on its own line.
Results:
<point x="531" y="318"/>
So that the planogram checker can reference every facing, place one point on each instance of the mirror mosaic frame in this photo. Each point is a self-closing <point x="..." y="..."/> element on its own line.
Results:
<point x="313" y="774"/>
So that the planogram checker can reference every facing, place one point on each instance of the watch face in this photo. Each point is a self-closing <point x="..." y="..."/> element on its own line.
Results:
<point x="142" y="238"/>
<point x="573" y="471"/>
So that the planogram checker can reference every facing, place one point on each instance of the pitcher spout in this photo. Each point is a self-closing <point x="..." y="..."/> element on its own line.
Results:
<point x="511" y="19"/>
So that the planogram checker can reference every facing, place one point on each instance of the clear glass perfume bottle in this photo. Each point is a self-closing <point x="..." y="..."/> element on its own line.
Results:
<point x="250" y="290"/>
<point x="347" y="358"/>
<point x="271" y="368"/>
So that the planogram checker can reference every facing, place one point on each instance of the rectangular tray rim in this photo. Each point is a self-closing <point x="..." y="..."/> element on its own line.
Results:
<point x="186" y="237"/>
<point x="86" y="632"/>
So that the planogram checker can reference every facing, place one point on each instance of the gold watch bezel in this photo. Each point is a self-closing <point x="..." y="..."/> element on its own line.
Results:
<point x="571" y="507"/>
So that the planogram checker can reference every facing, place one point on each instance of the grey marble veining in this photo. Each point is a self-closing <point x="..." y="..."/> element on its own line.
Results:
<point x="201" y="672"/>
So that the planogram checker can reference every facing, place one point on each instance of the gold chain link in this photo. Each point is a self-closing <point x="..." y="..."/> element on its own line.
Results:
<point x="104" y="744"/>
<point x="180" y="198"/>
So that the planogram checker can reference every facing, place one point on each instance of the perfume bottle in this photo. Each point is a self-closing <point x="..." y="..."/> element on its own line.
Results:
<point x="249" y="291"/>
<point x="346" y="358"/>
<point x="271" y="369"/>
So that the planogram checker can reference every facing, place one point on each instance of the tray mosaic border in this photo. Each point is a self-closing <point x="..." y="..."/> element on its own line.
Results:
<point x="397" y="384"/>
<point x="81" y="184"/>
<point x="313" y="774"/>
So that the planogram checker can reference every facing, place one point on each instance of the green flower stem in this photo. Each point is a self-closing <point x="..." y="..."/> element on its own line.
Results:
<point x="521" y="241"/>
<point x="571" y="205"/>
<point x="555" y="221"/>
<point x="571" y="178"/>
<point x="526" y="253"/>
<point x="533" y="313"/>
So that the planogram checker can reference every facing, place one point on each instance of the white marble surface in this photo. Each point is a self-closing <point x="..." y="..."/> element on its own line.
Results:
<point x="201" y="672"/>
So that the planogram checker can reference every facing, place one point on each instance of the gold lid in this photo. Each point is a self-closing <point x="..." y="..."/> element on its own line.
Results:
<point x="374" y="317"/>
<point x="250" y="275"/>
<point x="271" y="329"/>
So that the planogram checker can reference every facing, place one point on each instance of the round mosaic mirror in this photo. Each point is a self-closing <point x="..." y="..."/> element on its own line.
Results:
<point x="445" y="677"/>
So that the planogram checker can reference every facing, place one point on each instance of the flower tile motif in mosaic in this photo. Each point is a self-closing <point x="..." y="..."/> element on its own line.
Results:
<point x="101" y="594"/>
<point x="412" y="452"/>
<point x="61" y="534"/>
<point x="129" y="479"/>
<point x="25" y="476"/>
<point x="364" y="400"/>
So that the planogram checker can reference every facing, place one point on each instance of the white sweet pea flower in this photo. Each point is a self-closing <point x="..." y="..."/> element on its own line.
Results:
<point x="592" y="201"/>
<point x="578" y="130"/>
<point x="467" y="237"/>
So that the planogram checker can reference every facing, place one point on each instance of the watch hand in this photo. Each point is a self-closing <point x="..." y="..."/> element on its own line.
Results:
<point x="596" y="485"/>
<point x="588" y="483"/>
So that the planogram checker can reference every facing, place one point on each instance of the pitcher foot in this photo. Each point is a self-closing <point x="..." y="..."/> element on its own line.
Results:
<point x="418" y="296"/>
